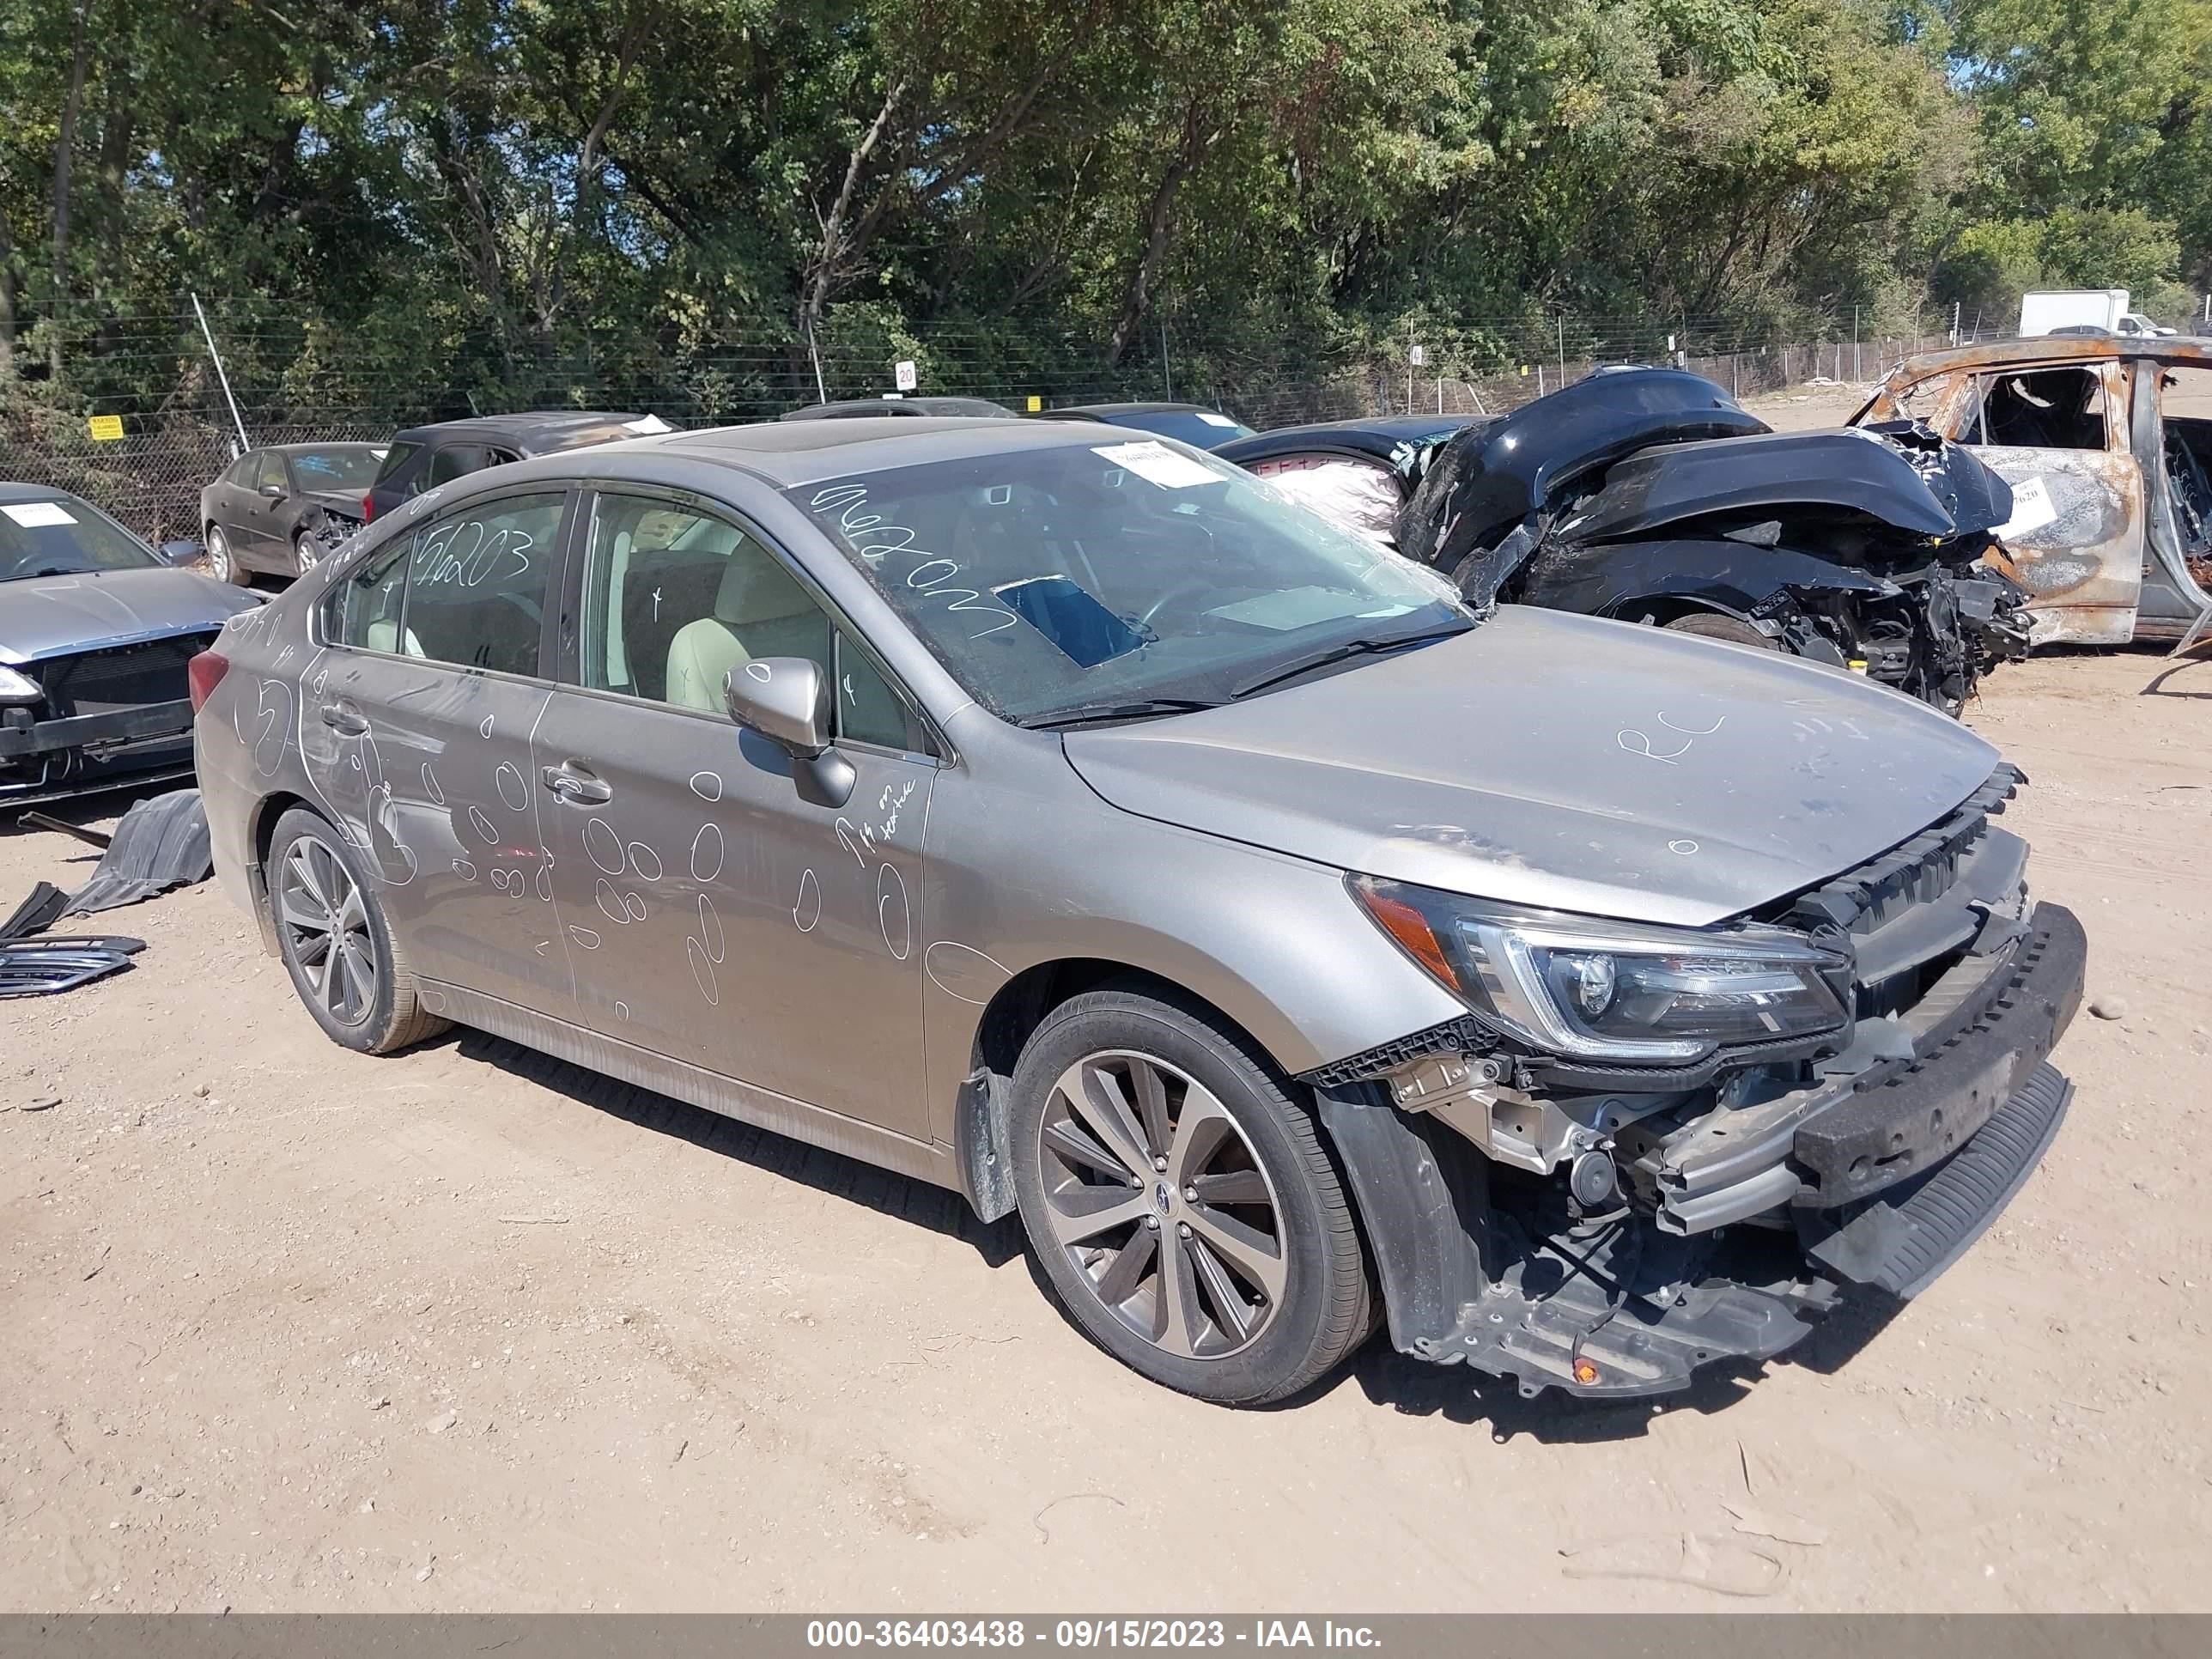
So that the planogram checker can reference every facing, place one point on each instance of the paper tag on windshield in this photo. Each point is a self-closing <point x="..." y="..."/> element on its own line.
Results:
<point x="1217" y="419"/>
<point x="645" y="423"/>
<point x="2031" y="509"/>
<point x="36" y="515"/>
<point x="1157" y="464"/>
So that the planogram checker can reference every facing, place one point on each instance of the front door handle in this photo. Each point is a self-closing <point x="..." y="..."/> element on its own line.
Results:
<point x="574" y="784"/>
<point x="346" y="722"/>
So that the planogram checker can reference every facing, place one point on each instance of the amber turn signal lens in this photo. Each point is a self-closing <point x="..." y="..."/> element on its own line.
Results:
<point x="1407" y="925"/>
<point x="1585" y="1373"/>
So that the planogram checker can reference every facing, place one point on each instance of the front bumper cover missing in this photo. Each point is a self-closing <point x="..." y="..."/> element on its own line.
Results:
<point x="1463" y="1283"/>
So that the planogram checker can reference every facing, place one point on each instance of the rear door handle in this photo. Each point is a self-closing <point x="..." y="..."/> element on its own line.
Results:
<point x="346" y="722"/>
<point x="576" y="784"/>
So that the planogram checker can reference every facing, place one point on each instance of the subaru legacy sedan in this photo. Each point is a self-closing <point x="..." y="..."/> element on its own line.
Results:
<point x="1070" y="819"/>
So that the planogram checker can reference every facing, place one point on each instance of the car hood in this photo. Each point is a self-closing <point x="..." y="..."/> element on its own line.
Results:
<point x="1902" y="476"/>
<point x="1563" y="761"/>
<point x="54" y="615"/>
<point x="1487" y="479"/>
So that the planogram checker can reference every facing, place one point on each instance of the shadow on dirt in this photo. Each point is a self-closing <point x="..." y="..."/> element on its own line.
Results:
<point x="874" y="1188"/>
<point x="2199" y="688"/>
<point x="1460" y="1395"/>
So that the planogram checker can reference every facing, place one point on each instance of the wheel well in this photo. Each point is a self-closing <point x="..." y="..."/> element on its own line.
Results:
<point x="1663" y="608"/>
<point x="1021" y="1005"/>
<point x="265" y="815"/>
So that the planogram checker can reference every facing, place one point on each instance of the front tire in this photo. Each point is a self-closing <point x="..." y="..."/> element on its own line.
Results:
<point x="1710" y="625"/>
<point x="223" y="558"/>
<point x="336" y="943"/>
<point x="305" y="550"/>
<point x="1179" y="1202"/>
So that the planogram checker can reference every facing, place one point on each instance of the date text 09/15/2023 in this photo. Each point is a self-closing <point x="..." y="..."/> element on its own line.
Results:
<point x="1087" y="1633"/>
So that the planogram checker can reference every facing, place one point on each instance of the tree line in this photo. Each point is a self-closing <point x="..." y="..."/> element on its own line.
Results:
<point x="485" y="187"/>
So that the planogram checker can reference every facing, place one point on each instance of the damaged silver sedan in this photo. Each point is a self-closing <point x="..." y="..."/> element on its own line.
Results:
<point x="1077" y="823"/>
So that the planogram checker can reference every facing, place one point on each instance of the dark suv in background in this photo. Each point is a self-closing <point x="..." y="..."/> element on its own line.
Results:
<point x="424" y="457"/>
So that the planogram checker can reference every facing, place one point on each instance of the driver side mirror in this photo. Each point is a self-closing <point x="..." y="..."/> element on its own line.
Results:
<point x="178" y="552"/>
<point x="273" y="492"/>
<point x="787" y="700"/>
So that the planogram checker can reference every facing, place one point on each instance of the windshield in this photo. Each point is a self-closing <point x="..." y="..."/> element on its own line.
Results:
<point x="351" y="467"/>
<point x="1089" y="577"/>
<point x="60" y="536"/>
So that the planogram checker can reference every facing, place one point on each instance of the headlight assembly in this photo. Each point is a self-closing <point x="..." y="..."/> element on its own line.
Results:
<point x="17" y="687"/>
<point x="1588" y="988"/>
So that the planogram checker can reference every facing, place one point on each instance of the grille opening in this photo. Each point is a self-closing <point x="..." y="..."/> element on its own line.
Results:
<point x="126" y="677"/>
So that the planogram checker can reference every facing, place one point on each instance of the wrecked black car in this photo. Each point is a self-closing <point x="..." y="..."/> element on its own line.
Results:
<point x="1650" y="495"/>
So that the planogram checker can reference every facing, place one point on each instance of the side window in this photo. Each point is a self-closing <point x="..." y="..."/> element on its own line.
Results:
<point x="370" y="603"/>
<point x="478" y="582"/>
<point x="242" y="470"/>
<point x="455" y="461"/>
<point x="395" y="457"/>
<point x="270" y="472"/>
<point x="674" y="599"/>
<point x="2036" y="409"/>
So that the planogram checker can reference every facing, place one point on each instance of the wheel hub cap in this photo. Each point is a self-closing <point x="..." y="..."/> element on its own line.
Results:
<point x="1128" y="1146"/>
<point x="323" y="924"/>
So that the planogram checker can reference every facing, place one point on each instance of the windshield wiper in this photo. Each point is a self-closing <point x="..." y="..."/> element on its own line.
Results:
<point x="1141" y="709"/>
<point x="1336" y="653"/>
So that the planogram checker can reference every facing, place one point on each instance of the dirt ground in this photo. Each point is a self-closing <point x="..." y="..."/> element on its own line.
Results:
<point x="286" y="1328"/>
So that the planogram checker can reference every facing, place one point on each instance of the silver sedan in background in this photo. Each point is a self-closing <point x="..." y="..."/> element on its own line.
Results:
<point x="1068" y="819"/>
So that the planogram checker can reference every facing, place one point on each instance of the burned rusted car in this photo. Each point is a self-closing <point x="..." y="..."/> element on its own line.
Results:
<point x="1650" y="495"/>
<point x="2107" y="444"/>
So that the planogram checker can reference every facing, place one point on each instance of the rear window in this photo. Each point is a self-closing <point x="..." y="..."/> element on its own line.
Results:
<point x="394" y="459"/>
<point x="335" y="468"/>
<point x="1198" y="428"/>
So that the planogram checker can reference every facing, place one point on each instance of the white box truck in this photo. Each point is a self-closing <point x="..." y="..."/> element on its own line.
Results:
<point x="2049" y="310"/>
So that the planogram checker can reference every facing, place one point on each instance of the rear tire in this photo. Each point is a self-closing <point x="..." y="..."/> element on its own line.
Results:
<point x="223" y="558"/>
<point x="1245" y="1294"/>
<point x="1707" y="624"/>
<point x="349" y="968"/>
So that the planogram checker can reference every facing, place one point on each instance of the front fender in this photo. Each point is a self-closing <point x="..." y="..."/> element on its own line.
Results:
<point x="1025" y="866"/>
<point x="1610" y="580"/>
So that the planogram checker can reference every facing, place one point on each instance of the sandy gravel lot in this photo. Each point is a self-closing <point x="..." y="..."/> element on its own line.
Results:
<point x="284" y="1327"/>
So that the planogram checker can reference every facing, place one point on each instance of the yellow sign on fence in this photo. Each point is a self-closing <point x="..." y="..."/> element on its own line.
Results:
<point x="105" y="428"/>
<point x="1036" y="403"/>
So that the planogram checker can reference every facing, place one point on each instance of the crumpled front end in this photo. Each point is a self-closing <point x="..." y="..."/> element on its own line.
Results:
<point x="1610" y="1230"/>
<point x="74" y="722"/>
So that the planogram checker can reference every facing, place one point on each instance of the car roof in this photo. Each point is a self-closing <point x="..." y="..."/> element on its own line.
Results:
<point x="304" y="448"/>
<point x="901" y="408"/>
<point x="548" y="428"/>
<point x="785" y="455"/>
<point x="1084" y="412"/>
<point x="2053" y="350"/>
<point x="36" y="492"/>
<point x="1372" y="434"/>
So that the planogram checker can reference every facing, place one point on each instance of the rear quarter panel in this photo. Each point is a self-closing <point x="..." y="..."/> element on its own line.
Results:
<point x="245" y="740"/>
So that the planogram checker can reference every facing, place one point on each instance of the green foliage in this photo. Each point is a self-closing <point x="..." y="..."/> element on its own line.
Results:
<point x="489" y="197"/>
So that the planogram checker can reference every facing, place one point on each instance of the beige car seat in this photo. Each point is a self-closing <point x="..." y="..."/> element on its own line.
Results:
<point x="760" y="611"/>
<point x="384" y="635"/>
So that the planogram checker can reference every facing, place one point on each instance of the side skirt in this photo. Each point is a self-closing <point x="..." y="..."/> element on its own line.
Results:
<point x="884" y="1148"/>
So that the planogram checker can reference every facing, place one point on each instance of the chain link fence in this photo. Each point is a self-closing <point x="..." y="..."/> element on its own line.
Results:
<point x="294" y="382"/>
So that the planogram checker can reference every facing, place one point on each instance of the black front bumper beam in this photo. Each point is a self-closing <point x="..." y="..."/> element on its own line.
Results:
<point x="93" y="733"/>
